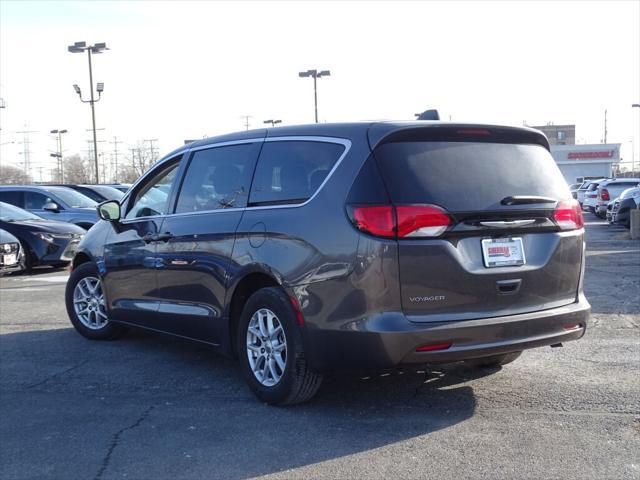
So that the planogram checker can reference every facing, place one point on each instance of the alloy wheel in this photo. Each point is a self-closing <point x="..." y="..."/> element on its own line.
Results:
<point x="266" y="347"/>
<point x="89" y="304"/>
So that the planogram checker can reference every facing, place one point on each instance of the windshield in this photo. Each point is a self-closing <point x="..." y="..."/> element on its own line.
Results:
<point x="71" y="197"/>
<point x="107" y="192"/>
<point x="10" y="213"/>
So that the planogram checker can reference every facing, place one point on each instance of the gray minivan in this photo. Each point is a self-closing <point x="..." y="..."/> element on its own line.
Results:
<point x="308" y="249"/>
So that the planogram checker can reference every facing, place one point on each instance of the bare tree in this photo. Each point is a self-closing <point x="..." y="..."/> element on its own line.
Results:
<point x="13" y="175"/>
<point x="76" y="170"/>
<point x="127" y="174"/>
<point x="141" y="158"/>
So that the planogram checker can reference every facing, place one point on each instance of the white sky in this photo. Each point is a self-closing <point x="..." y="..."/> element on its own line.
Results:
<point x="178" y="70"/>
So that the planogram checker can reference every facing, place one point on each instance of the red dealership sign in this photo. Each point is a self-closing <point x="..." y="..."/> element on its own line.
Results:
<point x="600" y="154"/>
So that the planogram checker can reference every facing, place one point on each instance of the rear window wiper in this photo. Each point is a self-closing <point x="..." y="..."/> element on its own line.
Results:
<point x="526" y="199"/>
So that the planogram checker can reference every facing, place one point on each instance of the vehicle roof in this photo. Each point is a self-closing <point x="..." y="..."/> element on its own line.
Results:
<point x="30" y="187"/>
<point x="620" y="180"/>
<point x="375" y="130"/>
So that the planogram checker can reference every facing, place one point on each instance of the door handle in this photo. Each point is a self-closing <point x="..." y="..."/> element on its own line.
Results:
<point x="157" y="237"/>
<point x="148" y="238"/>
<point x="163" y="237"/>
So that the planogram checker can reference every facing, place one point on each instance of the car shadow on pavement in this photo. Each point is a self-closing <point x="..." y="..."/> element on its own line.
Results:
<point x="169" y="408"/>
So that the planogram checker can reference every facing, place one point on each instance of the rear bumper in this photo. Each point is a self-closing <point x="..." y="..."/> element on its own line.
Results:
<point x="390" y="339"/>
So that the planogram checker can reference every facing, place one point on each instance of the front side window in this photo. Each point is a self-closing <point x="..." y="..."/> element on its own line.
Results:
<point x="218" y="178"/>
<point x="152" y="198"/>
<point x="292" y="171"/>
<point x="35" y="200"/>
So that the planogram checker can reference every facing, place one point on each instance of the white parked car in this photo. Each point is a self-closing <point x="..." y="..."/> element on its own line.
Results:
<point x="591" y="195"/>
<point x="609" y="190"/>
<point x="582" y="191"/>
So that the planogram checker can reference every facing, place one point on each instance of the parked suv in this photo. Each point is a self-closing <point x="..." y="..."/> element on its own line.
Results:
<point x="52" y="203"/>
<point x="303" y="250"/>
<point x="609" y="190"/>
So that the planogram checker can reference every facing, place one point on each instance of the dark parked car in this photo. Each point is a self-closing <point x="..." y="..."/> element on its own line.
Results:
<point x="44" y="242"/>
<point x="97" y="193"/>
<point x="53" y="203"/>
<point x="123" y="187"/>
<point x="303" y="250"/>
<point x="10" y="253"/>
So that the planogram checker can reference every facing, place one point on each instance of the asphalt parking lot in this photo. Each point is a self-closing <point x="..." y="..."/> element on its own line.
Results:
<point x="151" y="407"/>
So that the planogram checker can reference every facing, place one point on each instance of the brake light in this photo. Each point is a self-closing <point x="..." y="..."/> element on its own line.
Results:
<point x="604" y="194"/>
<point x="568" y="215"/>
<point x="473" y="131"/>
<point x="403" y="221"/>
<point x="421" y="221"/>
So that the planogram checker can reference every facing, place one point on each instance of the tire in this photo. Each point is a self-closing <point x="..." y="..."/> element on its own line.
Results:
<point x="93" y="325"/>
<point x="296" y="383"/>
<point x="27" y="259"/>
<point x="494" y="361"/>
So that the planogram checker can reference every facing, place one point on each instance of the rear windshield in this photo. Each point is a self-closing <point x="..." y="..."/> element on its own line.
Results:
<point x="468" y="176"/>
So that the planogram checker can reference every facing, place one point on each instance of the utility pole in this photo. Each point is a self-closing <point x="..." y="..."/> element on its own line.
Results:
<point x="26" y="151"/>
<point x="246" y="121"/>
<point x="115" y="157"/>
<point x="58" y="154"/>
<point x="605" y="126"/>
<point x="151" y="148"/>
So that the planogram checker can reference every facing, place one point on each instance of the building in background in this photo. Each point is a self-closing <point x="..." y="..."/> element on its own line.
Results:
<point x="580" y="160"/>
<point x="559" y="134"/>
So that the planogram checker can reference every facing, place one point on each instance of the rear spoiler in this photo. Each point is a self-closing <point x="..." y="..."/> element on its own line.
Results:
<point x="446" y="132"/>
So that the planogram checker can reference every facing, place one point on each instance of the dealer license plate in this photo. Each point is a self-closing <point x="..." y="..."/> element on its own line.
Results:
<point x="503" y="252"/>
<point x="10" y="259"/>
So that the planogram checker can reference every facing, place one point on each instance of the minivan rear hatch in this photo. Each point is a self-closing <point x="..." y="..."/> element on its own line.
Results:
<point x="512" y="240"/>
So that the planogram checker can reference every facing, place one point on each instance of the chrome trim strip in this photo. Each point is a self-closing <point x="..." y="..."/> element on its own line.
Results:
<point x="341" y="141"/>
<point x="507" y="224"/>
<point x="226" y="144"/>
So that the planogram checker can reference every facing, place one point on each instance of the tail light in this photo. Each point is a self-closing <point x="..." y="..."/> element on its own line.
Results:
<point x="568" y="215"/>
<point x="402" y="221"/>
<point x="604" y="194"/>
<point x="377" y="220"/>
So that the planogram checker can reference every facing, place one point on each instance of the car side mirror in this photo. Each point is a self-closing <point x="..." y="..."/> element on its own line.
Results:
<point x="51" y="207"/>
<point x="109" y="211"/>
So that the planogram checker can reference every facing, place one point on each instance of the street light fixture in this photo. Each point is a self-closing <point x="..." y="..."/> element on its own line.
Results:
<point x="315" y="75"/>
<point x="272" y="122"/>
<point x="58" y="155"/>
<point x="79" y="47"/>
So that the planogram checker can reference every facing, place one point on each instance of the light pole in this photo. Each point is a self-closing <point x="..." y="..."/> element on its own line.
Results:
<point x="315" y="74"/>
<point x="58" y="155"/>
<point x="272" y="122"/>
<point x="633" y="157"/>
<point x="80" y="47"/>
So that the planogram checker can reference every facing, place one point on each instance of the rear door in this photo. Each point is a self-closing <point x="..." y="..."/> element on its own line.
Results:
<point x="503" y="252"/>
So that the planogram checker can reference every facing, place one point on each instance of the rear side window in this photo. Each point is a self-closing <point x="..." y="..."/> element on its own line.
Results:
<point x="14" y="198"/>
<point x="467" y="176"/>
<point x="218" y="178"/>
<point x="292" y="171"/>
